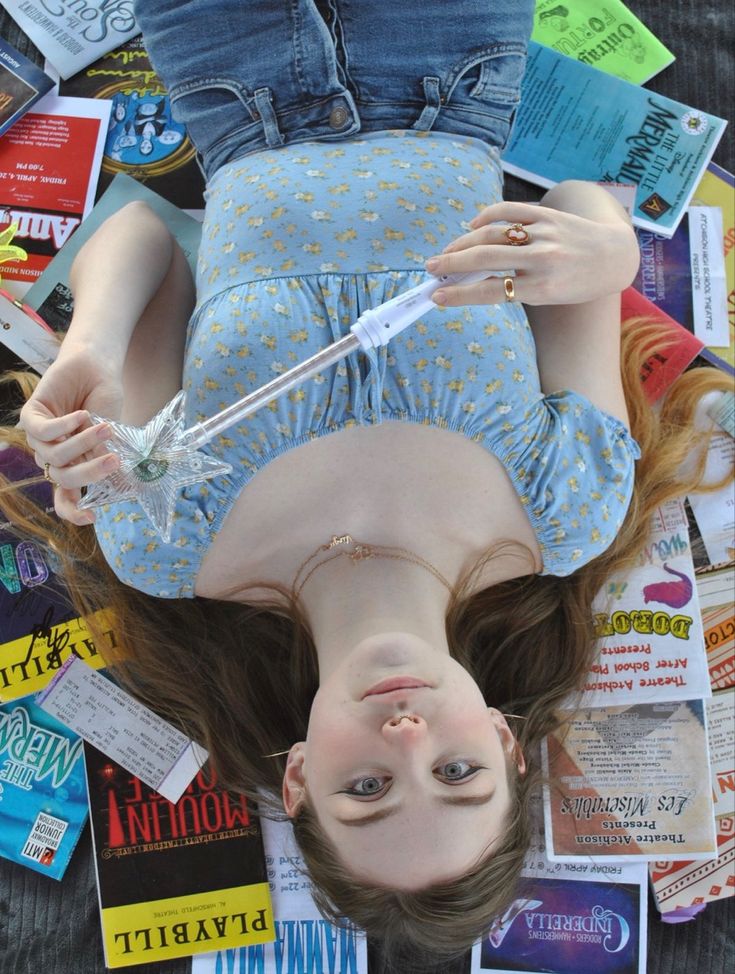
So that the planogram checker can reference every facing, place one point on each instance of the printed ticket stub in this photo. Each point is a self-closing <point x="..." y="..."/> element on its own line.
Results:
<point x="121" y="727"/>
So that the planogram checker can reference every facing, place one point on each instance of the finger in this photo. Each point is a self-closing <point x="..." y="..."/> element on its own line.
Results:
<point x="489" y="257"/>
<point x="490" y="291"/>
<point x="85" y="473"/>
<point x="509" y="212"/>
<point x="65" y="505"/>
<point x="71" y="450"/>
<point x="492" y="233"/>
<point x="36" y="421"/>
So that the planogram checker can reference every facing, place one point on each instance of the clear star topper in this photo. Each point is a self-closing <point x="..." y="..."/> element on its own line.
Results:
<point x="158" y="459"/>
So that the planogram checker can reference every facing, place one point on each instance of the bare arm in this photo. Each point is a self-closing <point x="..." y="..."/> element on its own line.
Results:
<point x="582" y="253"/>
<point x="122" y="356"/>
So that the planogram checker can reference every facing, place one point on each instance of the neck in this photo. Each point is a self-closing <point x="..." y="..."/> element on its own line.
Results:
<point x="347" y="602"/>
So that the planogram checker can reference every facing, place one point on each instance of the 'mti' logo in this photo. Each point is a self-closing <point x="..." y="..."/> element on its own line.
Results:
<point x="655" y="206"/>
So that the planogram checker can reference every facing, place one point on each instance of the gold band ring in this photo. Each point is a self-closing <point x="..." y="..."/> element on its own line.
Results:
<point x="509" y="288"/>
<point x="46" y="474"/>
<point x="517" y="235"/>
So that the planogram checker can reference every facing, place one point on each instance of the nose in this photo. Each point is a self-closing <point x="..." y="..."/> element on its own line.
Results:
<point x="404" y="727"/>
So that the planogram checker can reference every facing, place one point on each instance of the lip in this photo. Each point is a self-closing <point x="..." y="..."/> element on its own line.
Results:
<point x="394" y="683"/>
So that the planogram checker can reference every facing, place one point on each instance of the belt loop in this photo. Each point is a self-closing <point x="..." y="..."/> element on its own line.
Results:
<point x="263" y="103"/>
<point x="431" y="109"/>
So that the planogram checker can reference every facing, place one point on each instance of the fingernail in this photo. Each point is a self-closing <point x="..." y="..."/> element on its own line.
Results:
<point x="432" y="264"/>
<point x="103" y="430"/>
<point x="439" y="297"/>
<point x="111" y="462"/>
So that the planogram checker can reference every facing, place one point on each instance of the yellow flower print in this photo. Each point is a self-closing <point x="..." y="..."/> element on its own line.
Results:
<point x="385" y="184"/>
<point x="468" y="407"/>
<point x="518" y="376"/>
<point x="288" y="265"/>
<point x="405" y="204"/>
<point x="243" y="208"/>
<point x="455" y="385"/>
<point x="281" y="309"/>
<point x="595" y="534"/>
<point x="214" y="275"/>
<point x="457" y="205"/>
<point x="559" y="534"/>
<point x="270" y="341"/>
<point x="391" y="234"/>
<point x="304" y="197"/>
<point x="279" y="246"/>
<point x="211" y="384"/>
<point x="503" y="408"/>
<point x="491" y="330"/>
<point x="430" y="238"/>
<point x="494" y="386"/>
<point x="263" y="270"/>
<point x="606" y="454"/>
<point x="582" y="437"/>
<point x="278" y="212"/>
<point x="312" y="248"/>
<point x="370" y="216"/>
<point x="509" y="353"/>
<point x="576" y="554"/>
<point x="255" y="221"/>
<point x="346" y="235"/>
<point x="316" y="173"/>
<point x="222" y="349"/>
<point x="454" y="325"/>
<point x="573" y="485"/>
<point x="245" y="256"/>
<point x="474" y="348"/>
<point x="297" y="395"/>
<point x="228" y="247"/>
<point x="320" y="215"/>
<point x="431" y="208"/>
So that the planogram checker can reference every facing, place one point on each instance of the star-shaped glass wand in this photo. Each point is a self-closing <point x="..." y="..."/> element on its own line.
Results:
<point x="158" y="459"/>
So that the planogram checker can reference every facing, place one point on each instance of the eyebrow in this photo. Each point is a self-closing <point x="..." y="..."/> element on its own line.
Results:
<point x="385" y="812"/>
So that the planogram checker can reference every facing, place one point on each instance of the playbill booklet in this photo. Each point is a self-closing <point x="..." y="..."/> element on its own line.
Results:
<point x="72" y="35"/>
<point x="22" y="83"/>
<point x="174" y="879"/>
<point x="575" y="122"/>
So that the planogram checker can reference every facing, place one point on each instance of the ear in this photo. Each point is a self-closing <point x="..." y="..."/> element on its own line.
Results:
<point x="294" y="784"/>
<point x="510" y="745"/>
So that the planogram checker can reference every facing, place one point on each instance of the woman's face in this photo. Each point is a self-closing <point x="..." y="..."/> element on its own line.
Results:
<point x="404" y="765"/>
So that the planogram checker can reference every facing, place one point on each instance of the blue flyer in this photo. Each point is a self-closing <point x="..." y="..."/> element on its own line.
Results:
<point x="43" y="792"/>
<point x="576" y="122"/>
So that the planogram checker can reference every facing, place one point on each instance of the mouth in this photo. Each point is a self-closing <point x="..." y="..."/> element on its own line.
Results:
<point x="395" y="683"/>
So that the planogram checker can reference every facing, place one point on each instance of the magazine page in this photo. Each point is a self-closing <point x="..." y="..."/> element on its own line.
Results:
<point x="144" y="139"/>
<point x="717" y="188"/>
<point x="630" y="782"/>
<point x="49" y="164"/>
<point x="684" y="884"/>
<point x="305" y="943"/>
<point x="22" y="83"/>
<point x="715" y="588"/>
<point x="73" y="35"/>
<point x="575" y="122"/>
<point x="610" y="37"/>
<point x="25" y="334"/>
<point x="569" y="918"/>
<point x="51" y="296"/>
<point x="666" y="364"/>
<point x="43" y="795"/>
<point x="715" y="511"/>
<point x="651" y="642"/>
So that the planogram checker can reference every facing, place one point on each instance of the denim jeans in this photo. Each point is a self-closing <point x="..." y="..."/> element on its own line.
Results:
<point x="245" y="75"/>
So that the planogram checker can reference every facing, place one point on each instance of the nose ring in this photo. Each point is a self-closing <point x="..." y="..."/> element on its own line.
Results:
<point x="396" y="720"/>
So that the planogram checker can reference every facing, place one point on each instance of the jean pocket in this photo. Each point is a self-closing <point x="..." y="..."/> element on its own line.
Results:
<point x="217" y="113"/>
<point x="488" y="82"/>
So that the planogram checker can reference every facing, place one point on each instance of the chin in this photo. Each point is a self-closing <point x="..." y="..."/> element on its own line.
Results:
<point x="393" y="649"/>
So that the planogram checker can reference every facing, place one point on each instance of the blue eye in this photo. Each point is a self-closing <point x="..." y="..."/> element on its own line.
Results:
<point x="457" y="770"/>
<point x="368" y="787"/>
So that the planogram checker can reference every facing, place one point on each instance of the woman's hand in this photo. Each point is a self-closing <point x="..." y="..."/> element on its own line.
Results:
<point x="58" y="429"/>
<point x="569" y="259"/>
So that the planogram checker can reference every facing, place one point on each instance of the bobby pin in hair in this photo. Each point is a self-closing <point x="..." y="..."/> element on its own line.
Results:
<point x="276" y="754"/>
